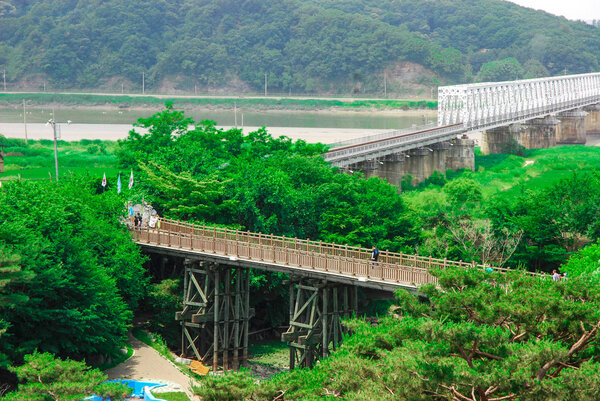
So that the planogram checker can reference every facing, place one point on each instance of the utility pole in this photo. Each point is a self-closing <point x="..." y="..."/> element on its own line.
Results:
<point x="122" y="88"/>
<point x="25" y="121"/>
<point x="5" y="80"/>
<point x="235" y="113"/>
<point x="265" y="84"/>
<point x="385" y="85"/>
<point x="53" y="123"/>
<point x="143" y="83"/>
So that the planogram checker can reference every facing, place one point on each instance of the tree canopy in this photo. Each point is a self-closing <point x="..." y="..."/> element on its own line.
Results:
<point x="259" y="183"/>
<point x="479" y="336"/>
<point x="47" y="378"/>
<point x="302" y="46"/>
<point x="85" y="273"/>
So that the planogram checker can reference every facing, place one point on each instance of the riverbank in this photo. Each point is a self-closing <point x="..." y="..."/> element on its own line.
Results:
<point x="113" y="132"/>
<point x="301" y="103"/>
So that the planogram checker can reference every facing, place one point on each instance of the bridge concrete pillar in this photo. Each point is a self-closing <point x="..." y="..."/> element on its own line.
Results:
<point x="539" y="133"/>
<point x="500" y="139"/>
<point x="571" y="129"/>
<point x="460" y="154"/>
<point x="316" y="310"/>
<point x="418" y="164"/>
<point x="390" y="168"/>
<point x="592" y="120"/>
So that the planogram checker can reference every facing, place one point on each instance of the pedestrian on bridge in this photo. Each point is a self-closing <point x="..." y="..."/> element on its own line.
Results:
<point x="131" y="216"/>
<point x="374" y="254"/>
<point x="555" y="275"/>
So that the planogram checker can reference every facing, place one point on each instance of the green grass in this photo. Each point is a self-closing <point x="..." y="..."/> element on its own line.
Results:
<point x="175" y="396"/>
<point x="260" y="103"/>
<point x="507" y="175"/>
<point x="35" y="161"/>
<point x="270" y="353"/>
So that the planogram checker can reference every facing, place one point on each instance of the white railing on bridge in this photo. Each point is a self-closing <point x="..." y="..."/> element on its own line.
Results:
<point x="493" y="104"/>
<point x="384" y="135"/>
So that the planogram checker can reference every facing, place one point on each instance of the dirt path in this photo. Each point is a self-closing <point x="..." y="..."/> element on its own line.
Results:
<point x="148" y="365"/>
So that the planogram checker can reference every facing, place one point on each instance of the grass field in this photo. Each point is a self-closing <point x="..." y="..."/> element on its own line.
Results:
<point x="35" y="161"/>
<point x="270" y="353"/>
<point x="501" y="174"/>
<point x="173" y="396"/>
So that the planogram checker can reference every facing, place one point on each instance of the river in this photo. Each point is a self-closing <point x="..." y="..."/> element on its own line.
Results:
<point x="112" y="123"/>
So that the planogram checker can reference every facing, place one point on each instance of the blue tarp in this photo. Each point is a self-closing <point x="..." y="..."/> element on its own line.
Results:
<point x="140" y="390"/>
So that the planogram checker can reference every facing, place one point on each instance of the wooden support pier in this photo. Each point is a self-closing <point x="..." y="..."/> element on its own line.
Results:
<point x="316" y="310"/>
<point x="216" y="314"/>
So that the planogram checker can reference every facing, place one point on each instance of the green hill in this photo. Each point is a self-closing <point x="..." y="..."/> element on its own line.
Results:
<point x="303" y="46"/>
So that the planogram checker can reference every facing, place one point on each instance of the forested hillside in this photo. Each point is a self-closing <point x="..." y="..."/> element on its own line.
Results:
<point x="303" y="46"/>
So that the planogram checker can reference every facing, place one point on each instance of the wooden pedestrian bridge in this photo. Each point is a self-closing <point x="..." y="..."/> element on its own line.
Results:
<point x="302" y="257"/>
<point x="324" y="278"/>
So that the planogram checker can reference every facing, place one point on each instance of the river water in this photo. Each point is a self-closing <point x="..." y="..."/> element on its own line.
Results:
<point x="112" y="123"/>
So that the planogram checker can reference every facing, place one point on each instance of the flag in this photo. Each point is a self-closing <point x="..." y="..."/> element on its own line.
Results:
<point x="119" y="184"/>
<point x="104" y="180"/>
<point x="131" y="179"/>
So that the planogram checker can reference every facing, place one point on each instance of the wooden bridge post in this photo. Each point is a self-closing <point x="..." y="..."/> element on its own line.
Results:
<point x="315" y="313"/>
<point x="216" y="321"/>
<point x="216" y="313"/>
<point x="248" y="313"/>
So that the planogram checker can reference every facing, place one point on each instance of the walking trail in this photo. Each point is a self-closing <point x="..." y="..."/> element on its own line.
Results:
<point x="147" y="364"/>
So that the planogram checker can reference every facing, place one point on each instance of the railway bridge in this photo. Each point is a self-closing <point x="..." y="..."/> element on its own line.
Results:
<point x="533" y="113"/>
<point x="324" y="279"/>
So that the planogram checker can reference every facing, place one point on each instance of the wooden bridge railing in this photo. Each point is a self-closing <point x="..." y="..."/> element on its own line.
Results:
<point x="398" y="268"/>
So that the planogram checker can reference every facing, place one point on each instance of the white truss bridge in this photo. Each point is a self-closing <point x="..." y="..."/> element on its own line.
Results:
<point x="464" y="109"/>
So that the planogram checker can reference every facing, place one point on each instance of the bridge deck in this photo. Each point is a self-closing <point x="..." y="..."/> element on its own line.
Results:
<point x="338" y="263"/>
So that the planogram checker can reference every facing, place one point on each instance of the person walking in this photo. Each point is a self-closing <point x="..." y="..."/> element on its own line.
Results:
<point x="555" y="275"/>
<point x="374" y="254"/>
<point x="131" y="215"/>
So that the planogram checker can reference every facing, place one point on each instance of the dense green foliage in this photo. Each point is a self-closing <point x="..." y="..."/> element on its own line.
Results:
<point x="531" y="211"/>
<point x="46" y="378"/>
<point x="87" y="271"/>
<point x="481" y="336"/>
<point x="10" y="274"/>
<point x="302" y="46"/>
<point x="259" y="183"/>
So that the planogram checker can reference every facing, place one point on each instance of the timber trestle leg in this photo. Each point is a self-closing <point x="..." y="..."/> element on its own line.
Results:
<point x="316" y="310"/>
<point x="215" y="315"/>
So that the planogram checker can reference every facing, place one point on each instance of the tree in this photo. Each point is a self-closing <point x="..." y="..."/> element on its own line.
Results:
<point x="47" y="378"/>
<point x="10" y="274"/>
<point x="463" y="192"/>
<point x="584" y="262"/>
<point x="479" y="336"/>
<point x="88" y="272"/>
<point x="480" y="243"/>
<point x="508" y="69"/>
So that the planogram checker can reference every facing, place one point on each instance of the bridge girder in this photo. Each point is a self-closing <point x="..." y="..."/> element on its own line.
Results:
<point x="494" y="104"/>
